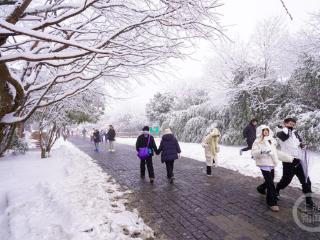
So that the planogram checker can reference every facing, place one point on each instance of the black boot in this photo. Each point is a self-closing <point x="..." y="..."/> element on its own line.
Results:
<point x="311" y="205"/>
<point x="208" y="170"/>
<point x="261" y="190"/>
<point x="277" y="191"/>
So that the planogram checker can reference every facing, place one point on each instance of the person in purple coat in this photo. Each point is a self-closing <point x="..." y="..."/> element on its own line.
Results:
<point x="170" y="151"/>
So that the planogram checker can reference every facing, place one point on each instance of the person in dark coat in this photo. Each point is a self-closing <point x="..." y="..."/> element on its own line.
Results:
<point x="96" y="139"/>
<point x="291" y="143"/>
<point x="111" y="138"/>
<point x="170" y="151"/>
<point x="106" y="137"/>
<point x="249" y="133"/>
<point x="142" y="142"/>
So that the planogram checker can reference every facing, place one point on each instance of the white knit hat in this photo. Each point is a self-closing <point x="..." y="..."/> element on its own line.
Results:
<point x="167" y="131"/>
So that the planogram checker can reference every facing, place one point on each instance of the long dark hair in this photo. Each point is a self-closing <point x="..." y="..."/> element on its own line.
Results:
<point x="262" y="136"/>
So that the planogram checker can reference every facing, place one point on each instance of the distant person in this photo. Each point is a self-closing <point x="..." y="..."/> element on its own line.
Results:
<point x="170" y="151"/>
<point x="101" y="135"/>
<point x="145" y="147"/>
<point x="291" y="143"/>
<point x="111" y="138"/>
<point x="249" y="133"/>
<point x="106" y="136"/>
<point x="96" y="139"/>
<point x="84" y="132"/>
<point x="266" y="155"/>
<point x="211" y="149"/>
<point x="91" y="135"/>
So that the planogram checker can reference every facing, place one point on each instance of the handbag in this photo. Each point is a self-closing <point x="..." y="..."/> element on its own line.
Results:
<point x="144" y="152"/>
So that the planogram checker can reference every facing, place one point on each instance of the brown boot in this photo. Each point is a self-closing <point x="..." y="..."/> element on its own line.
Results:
<point x="275" y="208"/>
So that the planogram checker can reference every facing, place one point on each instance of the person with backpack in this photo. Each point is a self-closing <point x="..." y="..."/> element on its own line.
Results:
<point x="249" y="133"/>
<point x="96" y="139"/>
<point x="146" y="146"/>
<point x="111" y="138"/>
<point x="170" y="151"/>
<point x="267" y="156"/>
<point x="211" y="148"/>
<point x="291" y="143"/>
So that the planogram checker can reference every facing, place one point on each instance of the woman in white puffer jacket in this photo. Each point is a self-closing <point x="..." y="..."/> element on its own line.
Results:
<point x="267" y="156"/>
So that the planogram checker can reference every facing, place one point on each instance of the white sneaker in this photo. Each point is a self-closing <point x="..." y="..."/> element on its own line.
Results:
<point x="112" y="150"/>
<point x="274" y="208"/>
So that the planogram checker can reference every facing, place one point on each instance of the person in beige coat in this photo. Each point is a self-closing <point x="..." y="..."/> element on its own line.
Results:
<point x="211" y="148"/>
<point x="267" y="156"/>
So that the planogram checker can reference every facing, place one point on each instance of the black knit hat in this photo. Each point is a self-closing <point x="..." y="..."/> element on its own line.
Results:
<point x="145" y="128"/>
<point x="290" y="119"/>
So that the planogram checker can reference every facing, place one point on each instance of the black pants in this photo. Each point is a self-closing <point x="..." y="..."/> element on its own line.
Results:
<point x="269" y="185"/>
<point x="249" y="143"/>
<point x="169" y="166"/>
<point x="149" y="164"/>
<point x="289" y="171"/>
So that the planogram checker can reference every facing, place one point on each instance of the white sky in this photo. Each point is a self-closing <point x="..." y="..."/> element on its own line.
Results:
<point x="241" y="17"/>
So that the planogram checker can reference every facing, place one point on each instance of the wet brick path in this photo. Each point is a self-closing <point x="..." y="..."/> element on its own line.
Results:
<point x="225" y="206"/>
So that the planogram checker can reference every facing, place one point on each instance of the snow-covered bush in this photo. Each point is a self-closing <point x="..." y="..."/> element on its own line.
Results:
<point x="195" y="129"/>
<point x="309" y="126"/>
<point x="158" y="106"/>
<point x="18" y="145"/>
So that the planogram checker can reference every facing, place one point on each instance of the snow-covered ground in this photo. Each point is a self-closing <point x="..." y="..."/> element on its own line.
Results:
<point x="66" y="196"/>
<point x="230" y="158"/>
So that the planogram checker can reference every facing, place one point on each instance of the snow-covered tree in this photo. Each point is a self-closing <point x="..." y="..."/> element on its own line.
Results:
<point x="158" y="107"/>
<point x="189" y="96"/>
<point x="305" y="82"/>
<point x="55" y="119"/>
<point x="70" y="44"/>
<point x="129" y="123"/>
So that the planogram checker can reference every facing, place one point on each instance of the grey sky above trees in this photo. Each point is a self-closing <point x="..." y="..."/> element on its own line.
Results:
<point x="241" y="18"/>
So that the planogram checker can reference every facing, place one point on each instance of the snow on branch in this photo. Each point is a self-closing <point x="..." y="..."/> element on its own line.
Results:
<point x="64" y="47"/>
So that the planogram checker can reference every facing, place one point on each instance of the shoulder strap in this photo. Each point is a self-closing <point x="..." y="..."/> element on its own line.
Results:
<point x="148" y="140"/>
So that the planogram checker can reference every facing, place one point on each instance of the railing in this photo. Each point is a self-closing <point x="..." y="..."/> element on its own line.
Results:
<point x="131" y="134"/>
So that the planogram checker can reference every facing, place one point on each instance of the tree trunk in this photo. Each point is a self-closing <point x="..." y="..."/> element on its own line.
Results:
<point x="14" y="17"/>
<point x="43" y="153"/>
<point x="6" y="134"/>
<point x="7" y="102"/>
<point x="42" y="144"/>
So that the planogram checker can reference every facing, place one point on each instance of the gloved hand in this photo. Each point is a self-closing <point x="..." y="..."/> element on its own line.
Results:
<point x="268" y="138"/>
<point x="302" y="145"/>
<point x="266" y="152"/>
<point x="204" y="145"/>
<point x="295" y="162"/>
<point x="285" y="130"/>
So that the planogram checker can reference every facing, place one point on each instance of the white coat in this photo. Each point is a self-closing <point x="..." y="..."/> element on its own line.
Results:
<point x="268" y="144"/>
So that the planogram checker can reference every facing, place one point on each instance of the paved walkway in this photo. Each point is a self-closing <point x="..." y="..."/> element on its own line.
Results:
<point x="225" y="206"/>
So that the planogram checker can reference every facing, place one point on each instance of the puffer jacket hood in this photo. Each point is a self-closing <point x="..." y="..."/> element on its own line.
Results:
<point x="215" y="133"/>
<point x="168" y="137"/>
<point x="260" y="128"/>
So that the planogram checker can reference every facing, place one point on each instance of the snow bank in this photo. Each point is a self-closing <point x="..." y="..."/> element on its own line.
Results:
<point x="63" y="197"/>
<point x="230" y="158"/>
